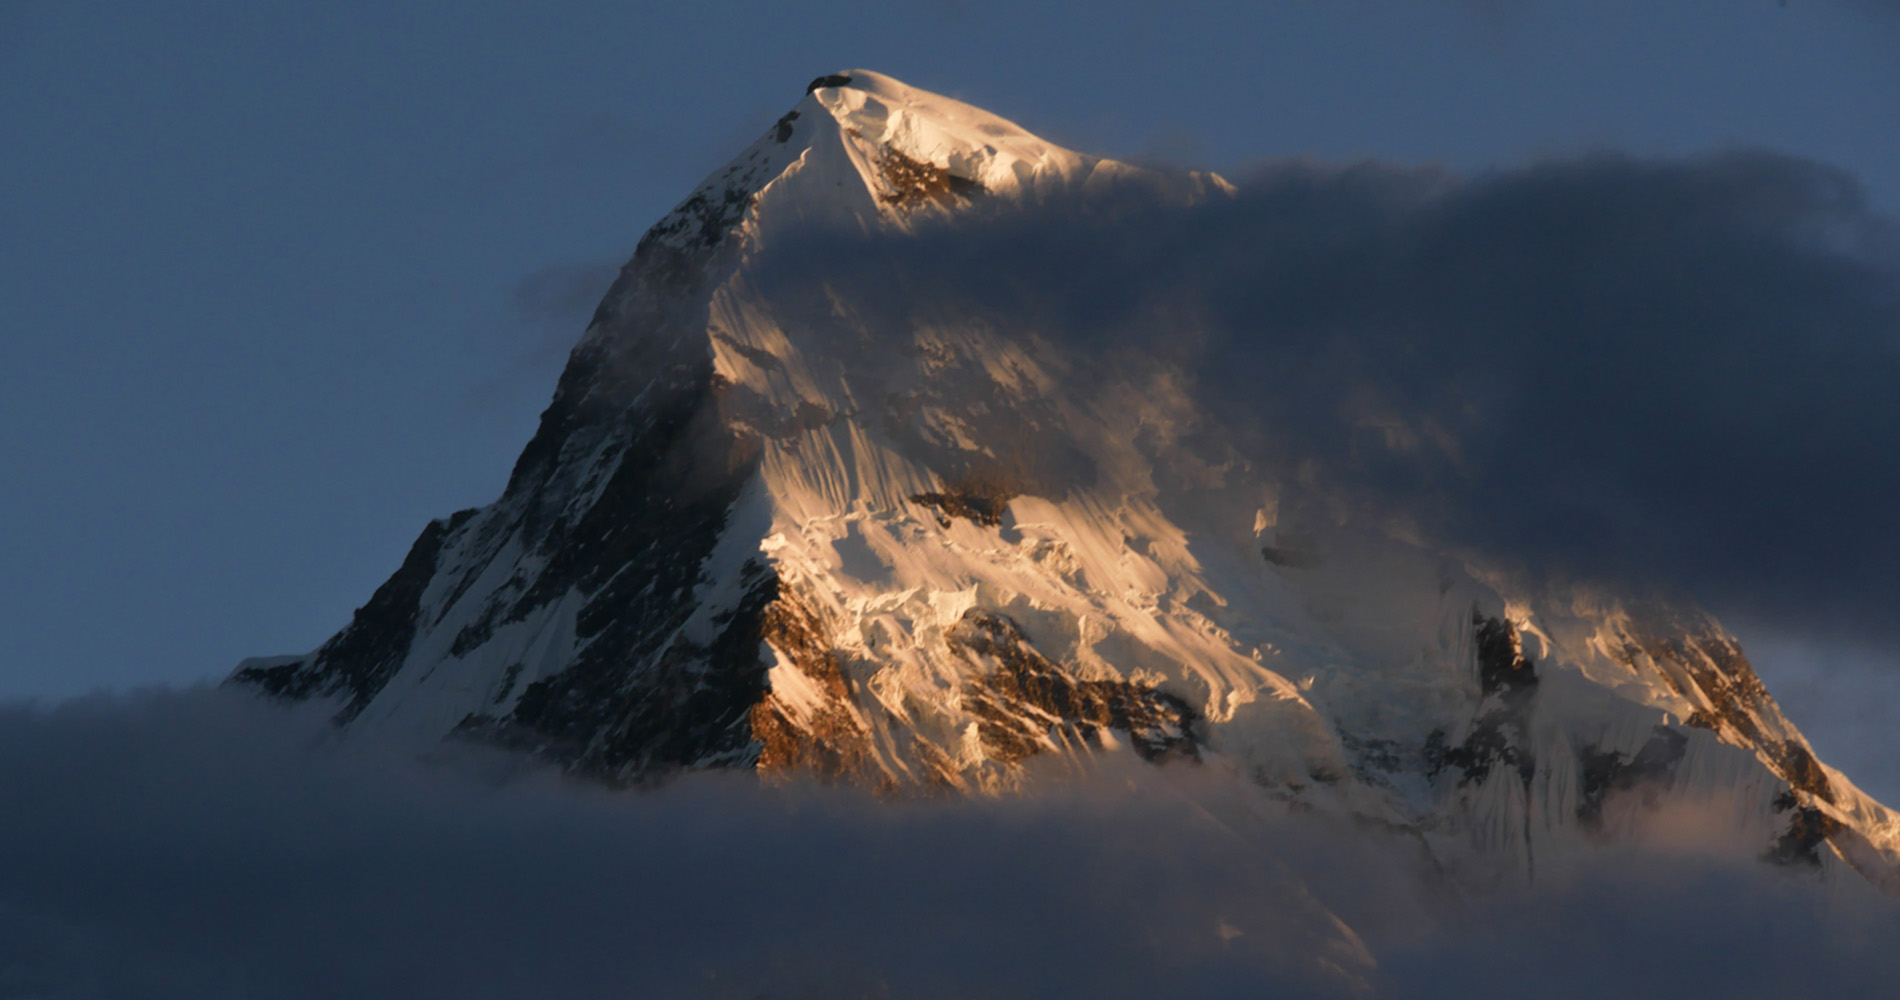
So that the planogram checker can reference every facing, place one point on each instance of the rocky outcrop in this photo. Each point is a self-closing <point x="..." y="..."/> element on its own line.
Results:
<point x="1498" y="734"/>
<point x="1026" y="705"/>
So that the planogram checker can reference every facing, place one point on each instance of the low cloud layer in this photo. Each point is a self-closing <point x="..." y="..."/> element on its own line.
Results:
<point x="1671" y="375"/>
<point x="199" y="844"/>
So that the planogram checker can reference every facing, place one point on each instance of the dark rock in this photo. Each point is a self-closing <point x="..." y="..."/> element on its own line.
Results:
<point x="1797" y="765"/>
<point x="829" y="742"/>
<point x="979" y="497"/>
<point x="782" y="130"/>
<point x="1025" y="700"/>
<point x="829" y="80"/>
<point x="1739" y="703"/>
<point x="359" y="660"/>
<point x="1604" y="772"/>
<point x="977" y="508"/>
<point x="1800" y="844"/>
<point x="1499" y="733"/>
<point x="1502" y="667"/>
<point x="913" y="181"/>
<point x="1370" y="759"/>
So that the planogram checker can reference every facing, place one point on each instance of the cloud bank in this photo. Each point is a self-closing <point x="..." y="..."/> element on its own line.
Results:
<point x="1676" y="376"/>
<point x="201" y="844"/>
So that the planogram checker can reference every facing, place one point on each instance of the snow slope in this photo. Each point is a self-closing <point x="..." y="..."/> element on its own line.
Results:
<point x="764" y="525"/>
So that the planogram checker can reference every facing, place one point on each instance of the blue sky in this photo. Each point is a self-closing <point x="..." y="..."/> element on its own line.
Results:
<point x="283" y="282"/>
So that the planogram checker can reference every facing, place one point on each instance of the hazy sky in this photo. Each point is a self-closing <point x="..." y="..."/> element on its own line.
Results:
<point x="281" y="285"/>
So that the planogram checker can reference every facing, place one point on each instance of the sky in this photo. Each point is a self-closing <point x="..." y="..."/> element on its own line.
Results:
<point x="283" y="283"/>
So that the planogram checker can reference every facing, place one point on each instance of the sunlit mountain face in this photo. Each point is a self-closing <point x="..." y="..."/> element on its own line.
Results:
<point x="912" y="452"/>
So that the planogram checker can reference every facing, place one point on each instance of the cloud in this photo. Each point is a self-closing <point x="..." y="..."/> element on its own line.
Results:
<point x="1676" y="376"/>
<point x="1704" y="931"/>
<point x="204" y="845"/>
<point x="200" y="844"/>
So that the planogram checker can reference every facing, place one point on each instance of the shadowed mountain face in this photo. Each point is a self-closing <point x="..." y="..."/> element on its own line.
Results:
<point x="773" y="524"/>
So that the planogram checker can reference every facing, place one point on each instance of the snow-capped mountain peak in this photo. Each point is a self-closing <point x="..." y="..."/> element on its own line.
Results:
<point x="769" y="524"/>
<point x="864" y="150"/>
<point x="969" y="145"/>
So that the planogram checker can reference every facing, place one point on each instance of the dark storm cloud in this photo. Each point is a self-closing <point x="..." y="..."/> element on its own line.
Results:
<point x="204" y="845"/>
<point x="1681" y="375"/>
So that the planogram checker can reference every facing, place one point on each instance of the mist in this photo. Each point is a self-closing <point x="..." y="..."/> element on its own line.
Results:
<point x="200" y="843"/>
<point x="1675" y="377"/>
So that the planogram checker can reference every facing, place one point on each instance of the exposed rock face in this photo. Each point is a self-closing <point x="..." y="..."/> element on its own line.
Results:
<point x="359" y="660"/>
<point x="1026" y="705"/>
<point x="774" y="526"/>
<point x="1607" y="772"/>
<point x="912" y="181"/>
<point x="811" y="721"/>
<point x="1732" y="702"/>
<point x="979" y="503"/>
<point x="1500" y="734"/>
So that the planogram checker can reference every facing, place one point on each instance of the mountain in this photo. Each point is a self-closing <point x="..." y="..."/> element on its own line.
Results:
<point x="768" y="523"/>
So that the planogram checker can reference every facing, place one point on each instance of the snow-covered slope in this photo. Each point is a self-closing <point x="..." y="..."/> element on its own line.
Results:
<point x="764" y="526"/>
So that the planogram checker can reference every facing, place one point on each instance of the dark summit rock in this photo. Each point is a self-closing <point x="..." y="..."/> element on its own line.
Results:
<point x="829" y="80"/>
